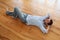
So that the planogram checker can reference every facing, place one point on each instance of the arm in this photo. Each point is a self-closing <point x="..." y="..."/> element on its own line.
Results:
<point x="48" y="28"/>
<point x="43" y="29"/>
<point x="47" y="16"/>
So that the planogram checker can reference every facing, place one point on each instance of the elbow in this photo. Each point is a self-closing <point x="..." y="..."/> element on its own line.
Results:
<point x="45" y="31"/>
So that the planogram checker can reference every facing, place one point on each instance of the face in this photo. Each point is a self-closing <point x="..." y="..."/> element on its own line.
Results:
<point x="47" y="21"/>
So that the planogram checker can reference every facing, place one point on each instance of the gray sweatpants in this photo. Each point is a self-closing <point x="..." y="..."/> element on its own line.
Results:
<point x="18" y="13"/>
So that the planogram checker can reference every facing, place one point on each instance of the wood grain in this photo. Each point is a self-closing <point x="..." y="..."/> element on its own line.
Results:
<point x="14" y="29"/>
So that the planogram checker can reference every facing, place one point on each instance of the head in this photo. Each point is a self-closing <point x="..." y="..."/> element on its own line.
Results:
<point x="48" y="21"/>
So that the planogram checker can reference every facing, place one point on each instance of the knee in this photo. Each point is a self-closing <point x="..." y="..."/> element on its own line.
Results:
<point x="16" y="8"/>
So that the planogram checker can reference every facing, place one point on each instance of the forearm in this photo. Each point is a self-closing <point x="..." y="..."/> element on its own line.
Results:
<point x="46" y="16"/>
<point x="48" y="28"/>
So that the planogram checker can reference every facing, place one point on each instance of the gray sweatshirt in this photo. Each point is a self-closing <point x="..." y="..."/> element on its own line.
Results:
<point x="37" y="21"/>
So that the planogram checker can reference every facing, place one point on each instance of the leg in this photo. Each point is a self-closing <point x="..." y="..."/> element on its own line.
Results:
<point x="20" y="14"/>
<point x="11" y="13"/>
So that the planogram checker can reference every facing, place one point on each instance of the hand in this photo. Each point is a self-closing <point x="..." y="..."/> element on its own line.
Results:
<point x="48" y="27"/>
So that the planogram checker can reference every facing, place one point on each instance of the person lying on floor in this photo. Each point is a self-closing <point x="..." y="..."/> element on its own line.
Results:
<point x="39" y="21"/>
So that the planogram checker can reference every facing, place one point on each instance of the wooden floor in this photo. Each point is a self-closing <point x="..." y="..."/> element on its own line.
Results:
<point x="14" y="29"/>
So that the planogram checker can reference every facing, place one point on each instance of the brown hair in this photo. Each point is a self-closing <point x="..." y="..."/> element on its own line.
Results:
<point x="51" y="22"/>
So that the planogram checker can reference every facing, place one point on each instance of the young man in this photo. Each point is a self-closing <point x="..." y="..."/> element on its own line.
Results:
<point x="39" y="21"/>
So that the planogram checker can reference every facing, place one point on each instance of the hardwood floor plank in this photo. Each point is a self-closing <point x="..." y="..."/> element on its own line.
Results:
<point x="14" y="29"/>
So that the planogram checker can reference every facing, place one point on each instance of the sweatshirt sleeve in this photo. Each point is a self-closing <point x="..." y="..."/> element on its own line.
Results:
<point x="46" y="16"/>
<point x="43" y="29"/>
